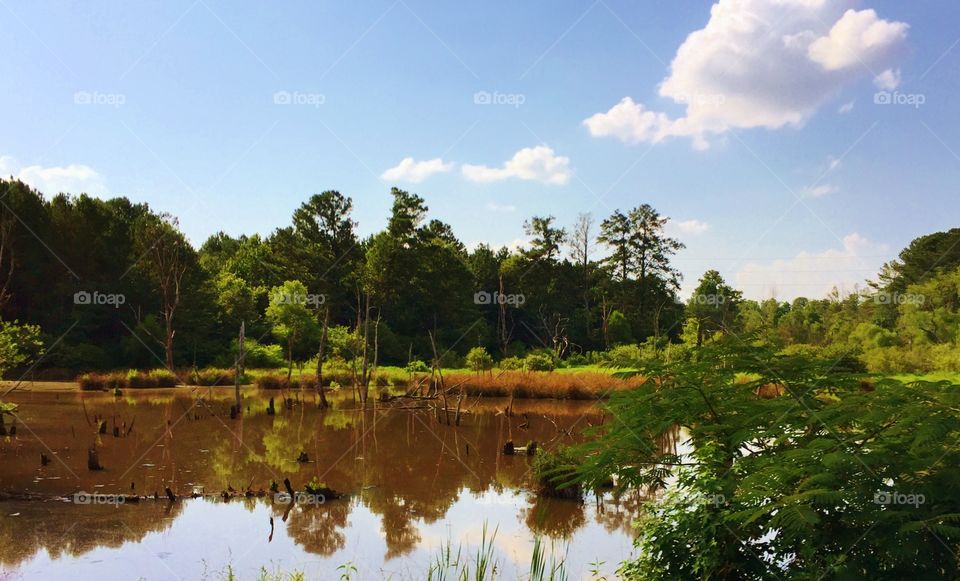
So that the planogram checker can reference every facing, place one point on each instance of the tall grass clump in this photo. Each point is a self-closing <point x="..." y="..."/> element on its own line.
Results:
<point x="540" y="385"/>
<point x="102" y="381"/>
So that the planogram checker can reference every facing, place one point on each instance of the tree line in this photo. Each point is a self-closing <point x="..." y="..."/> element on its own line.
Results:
<point x="113" y="283"/>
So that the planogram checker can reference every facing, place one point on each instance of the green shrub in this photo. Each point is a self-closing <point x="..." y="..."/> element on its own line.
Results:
<point x="511" y="364"/>
<point x="417" y="366"/>
<point x="479" y="360"/>
<point x="556" y="473"/>
<point x="538" y="362"/>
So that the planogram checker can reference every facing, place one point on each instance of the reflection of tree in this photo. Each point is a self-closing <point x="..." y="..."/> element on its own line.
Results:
<point x="317" y="528"/>
<point x="72" y="530"/>
<point x="554" y="517"/>
<point x="402" y="465"/>
<point x="618" y="511"/>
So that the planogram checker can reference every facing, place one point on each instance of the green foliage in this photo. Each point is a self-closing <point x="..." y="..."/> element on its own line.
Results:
<point x="417" y="366"/>
<point x="478" y="360"/>
<point x="538" y="362"/>
<point x="18" y="345"/>
<point x="805" y="478"/>
<point x="511" y="364"/>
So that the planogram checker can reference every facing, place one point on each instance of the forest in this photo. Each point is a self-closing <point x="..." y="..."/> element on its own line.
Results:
<point x="101" y="284"/>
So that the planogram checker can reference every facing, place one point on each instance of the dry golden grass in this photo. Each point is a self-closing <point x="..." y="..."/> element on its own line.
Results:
<point x="537" y="384"/>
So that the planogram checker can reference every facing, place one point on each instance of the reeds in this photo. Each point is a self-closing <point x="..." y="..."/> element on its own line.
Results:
<point x="543" y="385"/>
<point x="132" y="378"/>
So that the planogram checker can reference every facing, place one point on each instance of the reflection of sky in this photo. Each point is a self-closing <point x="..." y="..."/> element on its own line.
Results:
<point x="207" y="536"/>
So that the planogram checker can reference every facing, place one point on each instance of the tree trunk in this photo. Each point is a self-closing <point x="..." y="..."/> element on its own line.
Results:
<point x="320" y="354"/>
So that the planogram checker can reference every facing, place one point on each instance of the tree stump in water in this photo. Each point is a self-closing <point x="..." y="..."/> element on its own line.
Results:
<point x="508" y="448"/>
<point x="170" y="494"/>
<point x="103" y="427"/>
<point x="303" y="458"/>
<point x="532" y="448"/>
<point x="271" y="410"/>
<point x="43" y="459"/>
<point x="93" y="461"/>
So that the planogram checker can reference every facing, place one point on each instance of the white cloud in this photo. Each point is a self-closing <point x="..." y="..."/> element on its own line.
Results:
<point x="758" y="63"/>
<point x="505" y="208"/>
<point x="813" y="275"/>
<point x="538" y="163"/>
<point x="846" y="107"/>
<point x="822" y="190"/>
<point x="855" y="39"/>
<point x="690" y="226"/>
<point x="409" y="170"/>
<point x="71" y="179"/>
<point x="888" y="80"/>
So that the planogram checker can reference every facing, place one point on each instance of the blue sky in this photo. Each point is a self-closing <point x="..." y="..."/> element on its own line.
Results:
<point x="753" y="124"/>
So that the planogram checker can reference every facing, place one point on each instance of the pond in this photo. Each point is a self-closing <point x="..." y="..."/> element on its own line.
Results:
<point x="410" y="485"/>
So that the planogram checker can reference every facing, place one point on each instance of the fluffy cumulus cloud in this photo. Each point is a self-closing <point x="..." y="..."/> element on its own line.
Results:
<point x="538" y="163"/>
<point x="813" y="274"/>
<point x="410" y="170"/>
<point x="759" y="63"/>
<point x="72" y="179"/>
<point x="888" y="80"/>
<point x="690" y="227"/>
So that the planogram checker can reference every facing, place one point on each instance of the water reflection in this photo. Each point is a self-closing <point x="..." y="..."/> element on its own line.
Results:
<point x="410" y="482"/>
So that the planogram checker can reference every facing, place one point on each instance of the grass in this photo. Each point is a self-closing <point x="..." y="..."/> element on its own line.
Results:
<point x="951" y="376"/>
<point x="132" y="378"/>
<point x="540" y="384"/>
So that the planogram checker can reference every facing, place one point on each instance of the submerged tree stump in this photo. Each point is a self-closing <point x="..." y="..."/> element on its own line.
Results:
<point x="271" y="410"/>
<point x="303" y="458"/>
<point x="93" y="461"/>
<point x="508" y="448"/>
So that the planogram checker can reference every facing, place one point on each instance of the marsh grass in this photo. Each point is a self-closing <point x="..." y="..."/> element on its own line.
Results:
<point x="544" y="385"/>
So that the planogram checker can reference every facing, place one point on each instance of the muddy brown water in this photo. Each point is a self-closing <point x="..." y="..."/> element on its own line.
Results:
<point x="411" y="484"/>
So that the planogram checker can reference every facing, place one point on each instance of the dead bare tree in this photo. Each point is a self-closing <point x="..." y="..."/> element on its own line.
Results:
<point x="165" y="254"/>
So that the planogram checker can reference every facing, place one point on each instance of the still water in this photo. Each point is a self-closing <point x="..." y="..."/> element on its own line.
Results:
<point x="410" y="484"/>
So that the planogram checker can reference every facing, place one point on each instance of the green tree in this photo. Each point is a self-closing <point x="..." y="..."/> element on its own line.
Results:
<point x="292" y="319"/>
<point x="713" y="306"/>
<point x="799" y="463"/>
<point x="479" y="360"/>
